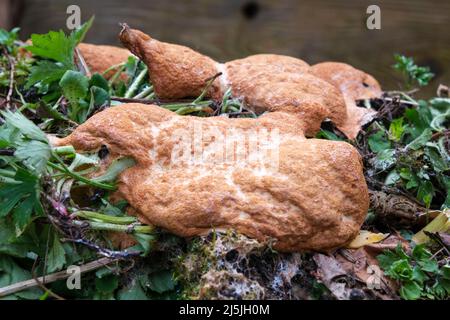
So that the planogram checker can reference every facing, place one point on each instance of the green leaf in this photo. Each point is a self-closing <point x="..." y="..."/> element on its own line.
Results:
<point x="25" y="126"/>
<point x="445" y="271"/>
<point x="12" y="245"/>
<point x="410" y="177"/>
<point x="145" y="242"/>
<point x="107" y="283"/>
<point x="8" y="38"/>
<point x="161" y="281"/>
<point x="79" y="34"/>
<point x="418" y="275"/>
<point x="406" y="65"/>
<point x="34" y="155"/>
<point x="396" y="129"/>
<point x="54" y="46"/>
<point x="97" y="80"/>
<point x="22" y="214"/>
<point x="429" y="266"/>
<point x="439" y="164"/>
<point x="420" y="252"/>
<point x="420" y="141"/>
<point x="133" y="292"/>
<point x="378" y="142"/>
<point x="116" y="167"/>
<point x="400" y="270"/>
<point x="325" y="134"/>
<point x="74" y="85"/>
<point x="440" y="110"/>
<point x="45" y="72"/>
<point x="392" y="178"/>
<point x="387" y="259"/>
<point x="384" y="159"/>
<point x="425" y="192"/>
<point x="410" y="290"/>
<point x="26" y="186"/>
<point x="11" y="273"/>
<point x="56" y="256"/>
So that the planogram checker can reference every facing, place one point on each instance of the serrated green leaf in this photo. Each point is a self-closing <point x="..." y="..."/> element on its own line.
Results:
<point x="411" y="290"/>
<point x="54" y="46"/>
<point x="34" y="155"/>
<point x="25" y="126"/>
<point x="46" y="73"/>
<point x="56" y="256"/>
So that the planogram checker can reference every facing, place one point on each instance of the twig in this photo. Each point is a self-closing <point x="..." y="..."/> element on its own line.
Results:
<point x="111" y="254"/>
<point x="12" y="64"/>
<point x="134" y="100"/>
<point x="82" y="65"/>
<point x="27" y="284"/>
<point x="41" y="283"/>
<point x="400" y="101"/>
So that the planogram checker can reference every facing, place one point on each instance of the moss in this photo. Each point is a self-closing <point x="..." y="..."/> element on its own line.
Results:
<point x="227" y="265"/>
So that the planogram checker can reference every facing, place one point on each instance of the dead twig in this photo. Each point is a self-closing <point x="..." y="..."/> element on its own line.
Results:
<point x="27" y="284"/>
<point x="81" y="63"/>
<point x="41" y="283"/>
<point x="12" y="65"/>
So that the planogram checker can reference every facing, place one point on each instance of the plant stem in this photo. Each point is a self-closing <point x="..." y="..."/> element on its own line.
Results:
<point x="176" y="106"/>
<point x="116" y="75"/>
<point x="136" y="83"/>
<point x="114" y="227"/>
<point x="27" y="284"/>
<point x="64" y="150"/>
<point x="144" y="93"/>
<point x="116" y="66"/>
<point x="104" y="217"/>
<point x="81" y="178"/>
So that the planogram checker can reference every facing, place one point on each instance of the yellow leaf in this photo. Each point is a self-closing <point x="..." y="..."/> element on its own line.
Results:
<point x="366" y="237"/>
<point x="439" y="224"/>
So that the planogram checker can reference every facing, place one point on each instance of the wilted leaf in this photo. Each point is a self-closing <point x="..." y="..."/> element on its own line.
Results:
<point x="366" y="237"/>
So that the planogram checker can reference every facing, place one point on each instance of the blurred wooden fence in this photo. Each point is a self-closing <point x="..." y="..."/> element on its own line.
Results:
<point x="314" y="30"/>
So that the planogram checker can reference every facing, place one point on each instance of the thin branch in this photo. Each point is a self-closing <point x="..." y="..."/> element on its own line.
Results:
<point x="27" y="284"/>
<point x="12" y="64"/>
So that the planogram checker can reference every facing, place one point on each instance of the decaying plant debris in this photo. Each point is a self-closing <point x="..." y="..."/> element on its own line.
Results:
<point x="54" y="212"/>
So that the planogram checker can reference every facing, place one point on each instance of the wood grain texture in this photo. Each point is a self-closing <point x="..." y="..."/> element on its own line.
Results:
<point x="309" y="29"/>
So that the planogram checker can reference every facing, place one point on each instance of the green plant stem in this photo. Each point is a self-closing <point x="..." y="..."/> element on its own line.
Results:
<point x="114" y="227"/>
<point x="117" y="74"/>
<point x="81" y="178"/>
<point x="176" y="106"/>
<point x="105" y="218"/>
<point x="136" y="83"/>
<point x="205" y="90"/>
<point x="144" y="93"/>
<point x="187" y="110"/>
<point x="116" y="66"/>
<point x="64" y="150"/>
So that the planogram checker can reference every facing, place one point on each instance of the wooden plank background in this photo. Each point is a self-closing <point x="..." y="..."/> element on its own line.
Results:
<point x="314" y="30"/>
